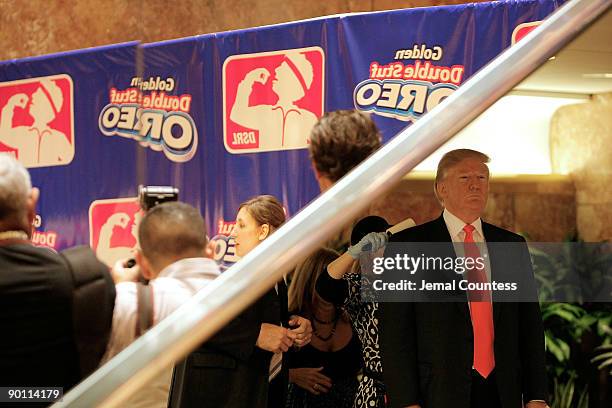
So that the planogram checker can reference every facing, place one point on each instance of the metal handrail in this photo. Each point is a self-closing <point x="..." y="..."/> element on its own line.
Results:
<point x="243" y="283"/>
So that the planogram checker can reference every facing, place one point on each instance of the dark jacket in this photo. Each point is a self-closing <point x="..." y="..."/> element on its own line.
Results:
<point x="55" y="313"/>
<point x="427" y="347"/>
<point x="229" y="370"/>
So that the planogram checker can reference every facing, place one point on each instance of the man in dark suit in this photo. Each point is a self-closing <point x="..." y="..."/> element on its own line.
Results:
<point x="39" y="342"/>
<point x="232" y="368"/>
<point x="476" y="352"/>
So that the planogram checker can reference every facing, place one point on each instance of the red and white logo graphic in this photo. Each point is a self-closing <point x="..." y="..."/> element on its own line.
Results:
<point x="37" y="120"/>
<point x="272" y="100"/>
<point x="113" y="228"/>
<point x="523" y="29"/>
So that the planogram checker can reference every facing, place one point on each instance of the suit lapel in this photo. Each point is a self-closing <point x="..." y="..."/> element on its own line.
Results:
<point x="439" y="233"/>
<point x="284" y="302"/>
<point x="491" y="235"/>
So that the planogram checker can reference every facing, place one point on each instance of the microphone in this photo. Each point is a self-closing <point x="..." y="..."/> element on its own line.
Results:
<point x="400" y="226"/>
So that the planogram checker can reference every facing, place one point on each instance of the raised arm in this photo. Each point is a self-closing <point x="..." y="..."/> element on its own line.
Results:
<point x="6" y="118"/>
<point x="330" y="286"/>
<point x="340" y="266"/>
<point x="242" y="113"/>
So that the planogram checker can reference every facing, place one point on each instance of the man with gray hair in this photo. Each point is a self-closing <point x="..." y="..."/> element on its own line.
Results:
<point x="172" y="256"/>
<point x="39" y="296"/>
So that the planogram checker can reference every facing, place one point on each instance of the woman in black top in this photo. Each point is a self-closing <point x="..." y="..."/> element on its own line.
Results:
<point x="341" y="286"/>
<point x="324" y="373"/>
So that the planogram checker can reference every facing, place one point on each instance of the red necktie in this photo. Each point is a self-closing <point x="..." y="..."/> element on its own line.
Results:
<point x="481" y="310"/>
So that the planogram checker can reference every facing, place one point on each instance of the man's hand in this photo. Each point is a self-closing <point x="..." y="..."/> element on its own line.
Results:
<point x="302" y="329"/>
<point x="310" y="379"/>
<point x="121" y="273"/>
<point x="537" y="404"/>
<point x="275" y="338"/>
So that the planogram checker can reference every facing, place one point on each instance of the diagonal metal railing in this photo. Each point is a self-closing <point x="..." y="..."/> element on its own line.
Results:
<point x="242" y="284"/>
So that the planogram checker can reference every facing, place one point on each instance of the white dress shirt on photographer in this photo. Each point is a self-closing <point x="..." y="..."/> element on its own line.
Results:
<point x="174" y="286"/>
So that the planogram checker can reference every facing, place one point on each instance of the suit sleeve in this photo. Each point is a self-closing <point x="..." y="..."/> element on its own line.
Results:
<point x="532" y="348"/>
<point x="332" y="290"/>
<point x="398" y="351"/>
<point x="239" y="336"/>
<point x="398" y="344"/>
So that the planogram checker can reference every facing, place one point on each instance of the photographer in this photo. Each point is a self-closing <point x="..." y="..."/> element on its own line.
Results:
<point x="172" y="238"/>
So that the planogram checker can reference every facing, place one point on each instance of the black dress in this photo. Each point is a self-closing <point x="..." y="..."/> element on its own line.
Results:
<point x="346" y="292"/>
<point x="341" y="366"/>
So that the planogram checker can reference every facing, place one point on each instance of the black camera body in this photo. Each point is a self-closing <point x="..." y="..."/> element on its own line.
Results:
<point x="150" y="196"/>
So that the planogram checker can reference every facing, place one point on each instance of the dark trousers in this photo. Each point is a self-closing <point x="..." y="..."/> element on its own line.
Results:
<point x="277" y="391"/>
<point x="484" y="392"/>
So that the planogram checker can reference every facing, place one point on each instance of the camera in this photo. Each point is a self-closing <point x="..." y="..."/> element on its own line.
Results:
<point x="150" y="196"/>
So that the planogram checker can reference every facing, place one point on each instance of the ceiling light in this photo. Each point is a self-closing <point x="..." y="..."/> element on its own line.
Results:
<point x="606" y="75"/>
<point x="514" y="132"/>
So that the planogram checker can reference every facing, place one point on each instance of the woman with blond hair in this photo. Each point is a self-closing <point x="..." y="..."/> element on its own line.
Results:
<point x="324" y="373"/>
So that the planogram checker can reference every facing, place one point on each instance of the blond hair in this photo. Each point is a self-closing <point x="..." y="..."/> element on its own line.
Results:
<point x="453" y="158"/>
<point x="303" y="283"/>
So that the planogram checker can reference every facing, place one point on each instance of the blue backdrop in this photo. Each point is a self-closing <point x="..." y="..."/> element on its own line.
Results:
<point x="183" y="115"/>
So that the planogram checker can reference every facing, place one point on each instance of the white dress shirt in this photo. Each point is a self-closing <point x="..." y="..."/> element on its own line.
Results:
<point x="174" y="286"/>
<point x="455" y="228"/>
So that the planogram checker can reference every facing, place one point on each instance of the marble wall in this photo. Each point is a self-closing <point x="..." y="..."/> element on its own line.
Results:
<point x="542" y="208"/>
<point x="36" y="27"/>
<point x="581" y="140"/>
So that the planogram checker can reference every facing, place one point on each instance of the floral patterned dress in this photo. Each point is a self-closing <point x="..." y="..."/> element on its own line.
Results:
<point x="346" y="292"/>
